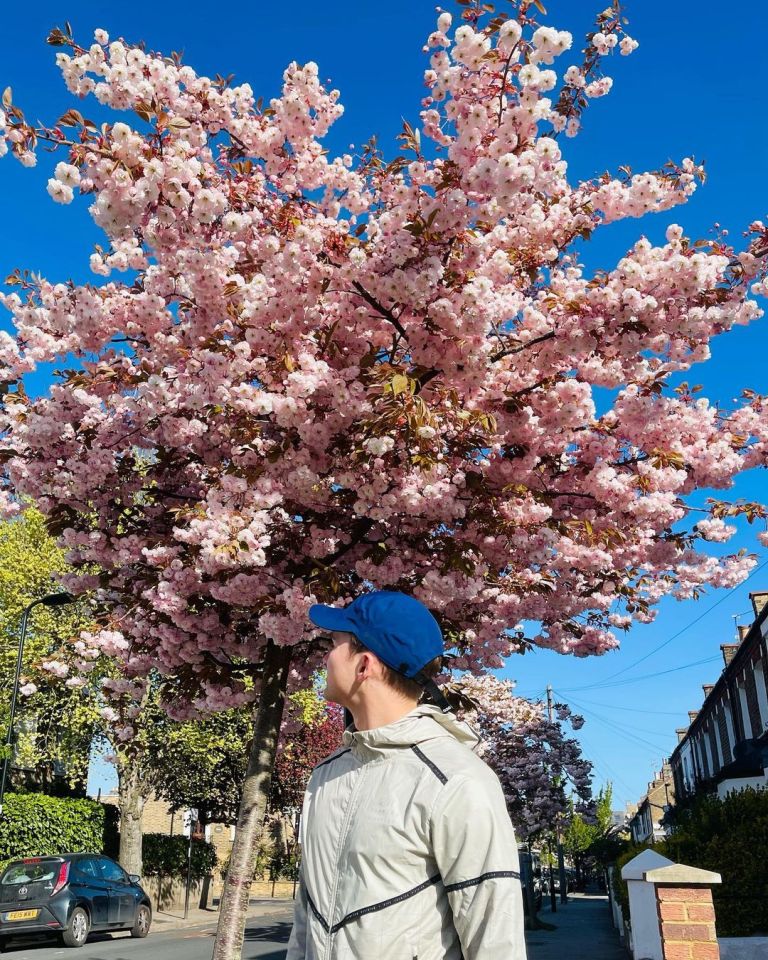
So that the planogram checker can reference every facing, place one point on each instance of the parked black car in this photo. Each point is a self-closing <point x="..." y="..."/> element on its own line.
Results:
<point x="71" y="895"/>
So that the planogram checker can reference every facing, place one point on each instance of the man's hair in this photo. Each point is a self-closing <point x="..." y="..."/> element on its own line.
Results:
<point x="399" y="683"/>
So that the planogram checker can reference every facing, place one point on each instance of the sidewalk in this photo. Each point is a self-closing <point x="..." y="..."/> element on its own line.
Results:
<point x="583" y="928"/>
<point x="584" y="932"/>
<point x="173" y="919"/>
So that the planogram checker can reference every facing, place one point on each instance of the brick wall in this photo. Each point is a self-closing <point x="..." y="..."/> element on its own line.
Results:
<point x="157" y="816"/>
<point x="687" y="923"/>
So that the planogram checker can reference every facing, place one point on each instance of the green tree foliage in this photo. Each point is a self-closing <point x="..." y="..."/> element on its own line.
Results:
<point x="588" y="839"/>
<point x="35" y="825"/>
<point x="54" y="724"/>
<point x="585" y="830"/>
<point x="200" y="764"/>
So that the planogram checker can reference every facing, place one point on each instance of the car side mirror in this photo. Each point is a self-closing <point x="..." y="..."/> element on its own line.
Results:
<point x="134" y="878"/>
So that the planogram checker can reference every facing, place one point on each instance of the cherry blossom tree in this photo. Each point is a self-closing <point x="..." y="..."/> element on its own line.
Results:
<point x="542" y="771"/>
<point x="298" y="375"/>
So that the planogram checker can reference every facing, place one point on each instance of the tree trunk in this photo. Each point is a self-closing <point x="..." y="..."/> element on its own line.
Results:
<point x="131" y="804"/>
<point x="253" y="805"/>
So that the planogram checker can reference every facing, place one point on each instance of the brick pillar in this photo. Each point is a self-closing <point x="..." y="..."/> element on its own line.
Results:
<point x="685" y="912"/>
<point x="687" y="923"/>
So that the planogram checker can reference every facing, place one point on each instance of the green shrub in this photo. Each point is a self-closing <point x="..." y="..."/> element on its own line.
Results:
<point x="165" y="856"/>
<point x="728" y="836"/>
<point x="36" y="825"/>
<point x="270" y="867"/>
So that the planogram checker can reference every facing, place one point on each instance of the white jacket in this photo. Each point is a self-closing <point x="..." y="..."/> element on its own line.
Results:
<point x="408" y="852"/>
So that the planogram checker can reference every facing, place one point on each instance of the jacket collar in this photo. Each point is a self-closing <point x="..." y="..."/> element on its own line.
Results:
<point x="425" y="722"/>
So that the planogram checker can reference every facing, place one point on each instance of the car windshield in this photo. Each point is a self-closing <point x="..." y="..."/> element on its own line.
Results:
<point x="19" y="873"/>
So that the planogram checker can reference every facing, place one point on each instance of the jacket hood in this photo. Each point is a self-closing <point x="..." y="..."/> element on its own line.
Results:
<point x="425" y="722"/>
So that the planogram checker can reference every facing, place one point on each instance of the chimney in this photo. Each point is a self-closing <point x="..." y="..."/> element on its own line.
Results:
<point x="681" y="732"/>
<point x="743" y="631"/>
<point x="708" y="688"/>
<point x="759" y="600"/>
<point x="729" y="651"/>
<point x="692" y="714"/>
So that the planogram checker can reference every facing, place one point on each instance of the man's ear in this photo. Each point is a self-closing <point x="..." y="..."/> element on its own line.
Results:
<point x="364" y="666"/>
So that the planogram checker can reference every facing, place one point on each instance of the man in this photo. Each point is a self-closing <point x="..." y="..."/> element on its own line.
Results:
<point x="407" y="848"/>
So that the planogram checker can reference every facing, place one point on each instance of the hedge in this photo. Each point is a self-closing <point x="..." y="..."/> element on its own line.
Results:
<point x="36" y="825"/>
<point x="165" y="856"/>
<point x="727" y="836"/>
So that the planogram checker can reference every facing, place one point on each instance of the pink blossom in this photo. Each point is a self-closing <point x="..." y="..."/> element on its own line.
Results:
<point x="299" y="374"/>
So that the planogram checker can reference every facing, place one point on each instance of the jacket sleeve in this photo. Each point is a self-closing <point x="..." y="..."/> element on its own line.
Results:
<point x="476" y="853"/>
<point x="298" y="939"/>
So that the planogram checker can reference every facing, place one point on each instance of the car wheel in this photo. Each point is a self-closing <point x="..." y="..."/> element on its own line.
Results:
<point x="142" y="922"/>
<point x="79" y="926"/>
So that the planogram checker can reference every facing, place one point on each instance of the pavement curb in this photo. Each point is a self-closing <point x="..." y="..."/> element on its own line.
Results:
<point x="163" y="922"/>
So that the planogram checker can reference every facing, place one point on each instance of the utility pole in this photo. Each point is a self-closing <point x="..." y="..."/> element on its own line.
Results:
<point x="560" y="854"/>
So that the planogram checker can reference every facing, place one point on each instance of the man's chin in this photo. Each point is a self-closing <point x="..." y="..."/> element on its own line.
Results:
<point x="331" y="696"/>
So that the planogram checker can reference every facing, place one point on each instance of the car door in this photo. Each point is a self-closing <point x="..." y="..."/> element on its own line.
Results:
<point x="122" y="893"/>
<point x="88" y="885"/>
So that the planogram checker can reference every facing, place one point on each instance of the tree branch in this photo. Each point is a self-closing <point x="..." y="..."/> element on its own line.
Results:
<point x="531" y="343"/>
<point x="381" y="310"/>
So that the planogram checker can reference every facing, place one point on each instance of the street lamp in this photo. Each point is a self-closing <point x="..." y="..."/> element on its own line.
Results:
<point x="195" y="833"/>
<point x="50" y="600"/>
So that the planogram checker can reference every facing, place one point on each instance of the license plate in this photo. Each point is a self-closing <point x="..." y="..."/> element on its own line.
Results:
<point x="22" y="915"/>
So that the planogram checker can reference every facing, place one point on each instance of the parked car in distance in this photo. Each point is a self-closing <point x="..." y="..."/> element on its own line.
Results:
<point x="71" y="895"/>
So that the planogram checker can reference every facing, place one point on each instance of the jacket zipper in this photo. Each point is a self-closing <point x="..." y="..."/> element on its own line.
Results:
<point x="342" y="839"/>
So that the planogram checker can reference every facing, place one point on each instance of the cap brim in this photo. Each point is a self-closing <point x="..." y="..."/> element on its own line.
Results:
<point x="329" y="618"/>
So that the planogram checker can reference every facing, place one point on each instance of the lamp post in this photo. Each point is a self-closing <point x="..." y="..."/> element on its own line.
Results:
<point x="560" y="854"/>
<point x="50" y="600"/>
<point x="195" y="833"/>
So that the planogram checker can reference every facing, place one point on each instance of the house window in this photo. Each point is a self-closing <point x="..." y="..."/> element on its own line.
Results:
<point x="718" y="743"/>
<point x="761" y="690"/>
<point x="745" y="719"/>
<point x="729" y="722"/>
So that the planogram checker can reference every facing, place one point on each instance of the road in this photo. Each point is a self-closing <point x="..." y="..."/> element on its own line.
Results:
<point x="265" y="939"/>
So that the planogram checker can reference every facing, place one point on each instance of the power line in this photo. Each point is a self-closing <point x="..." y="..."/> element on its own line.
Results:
<point x="689" y="625"/>
<point x="601" y="685"/>
<point x="655" y="713"/>
<point x="620" y="728"/>
<point x="605" y="767"/>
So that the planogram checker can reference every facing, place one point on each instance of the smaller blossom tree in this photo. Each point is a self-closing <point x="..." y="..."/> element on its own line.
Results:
<point x="541" y="768"/>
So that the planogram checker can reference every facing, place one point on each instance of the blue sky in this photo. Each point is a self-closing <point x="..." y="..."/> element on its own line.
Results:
<point x="690" y="90"/>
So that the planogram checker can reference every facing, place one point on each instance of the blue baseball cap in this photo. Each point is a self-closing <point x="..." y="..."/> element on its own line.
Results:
<point x="399" y="629"/>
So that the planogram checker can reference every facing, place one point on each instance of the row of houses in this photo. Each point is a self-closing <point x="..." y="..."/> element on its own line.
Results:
<point x="725" y="745"/>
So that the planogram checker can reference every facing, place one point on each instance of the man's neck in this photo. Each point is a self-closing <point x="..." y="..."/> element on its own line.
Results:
<point x="368" y="716"/>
